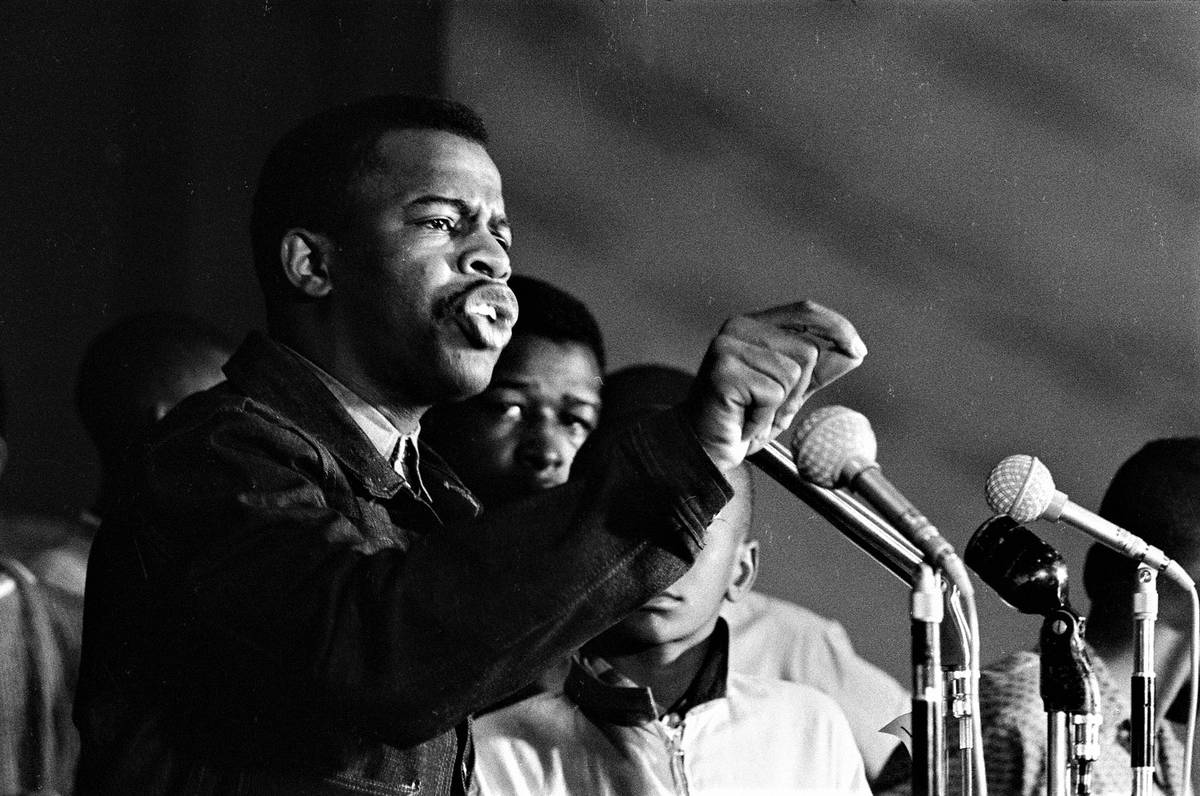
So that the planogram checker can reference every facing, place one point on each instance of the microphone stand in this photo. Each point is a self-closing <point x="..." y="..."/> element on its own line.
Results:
<point x="1070" y="693"/>
<point x="960" y="685"/>
<point x="1141" y="685"/>
<point x="929" y="738"/>
<point x="882" y="542"/>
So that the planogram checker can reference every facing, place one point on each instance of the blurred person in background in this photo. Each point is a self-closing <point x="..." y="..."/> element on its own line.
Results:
<point x="131" y="375"/>
<point x="39" y="660"/>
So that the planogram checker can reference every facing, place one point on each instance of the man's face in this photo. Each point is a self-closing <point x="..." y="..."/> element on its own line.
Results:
<point x="521" y="434"/>
<point x="419" y="306"/>
<point x="686" y="612"/>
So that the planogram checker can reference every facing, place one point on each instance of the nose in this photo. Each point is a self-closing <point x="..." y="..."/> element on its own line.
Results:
<point x="541" y="449"/>
<point x="484" y="255"/>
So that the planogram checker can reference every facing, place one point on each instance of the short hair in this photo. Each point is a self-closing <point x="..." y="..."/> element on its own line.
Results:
<point x="1155" y="494"/>
<point x="308" y="177"/>
<point x="129" y="364"/>
<point x="553" y="313"/>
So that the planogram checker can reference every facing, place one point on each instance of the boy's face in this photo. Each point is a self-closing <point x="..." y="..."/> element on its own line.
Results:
<point x="521" y="434"/>
<point x="686" y="612"/>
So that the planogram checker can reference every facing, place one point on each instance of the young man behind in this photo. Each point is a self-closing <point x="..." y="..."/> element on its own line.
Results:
<point x="520" y="437"/>
<point x="652" y="706"/>
<point x="777" y="639"/>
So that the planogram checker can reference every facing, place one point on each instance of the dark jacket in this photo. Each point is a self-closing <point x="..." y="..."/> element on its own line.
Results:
<point x="270" y="610"/>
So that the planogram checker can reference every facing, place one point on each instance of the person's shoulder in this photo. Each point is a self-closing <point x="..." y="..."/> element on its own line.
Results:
<point x="221" y="403"/>
<point x="756" y="611"/>
<point x="537" y="715"/>
<point x="796" y="710"/>
<point x="1017" y="666"/>
<point x="771" y="695"/>
<point x="774" y="637"/>
<point x="794" y="731"/>
<point x="64" y="567"/>
<point x="24" y="535"/>
<point x="225" y="419"/>
<point x="1009" y="692"/>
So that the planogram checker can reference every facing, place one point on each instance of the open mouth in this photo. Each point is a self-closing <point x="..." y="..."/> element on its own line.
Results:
<point x="481" y="309"/>
<point x="485" y="314"/>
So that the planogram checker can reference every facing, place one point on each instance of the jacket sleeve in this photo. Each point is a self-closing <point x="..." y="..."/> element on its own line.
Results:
<point x="402" y="642"/>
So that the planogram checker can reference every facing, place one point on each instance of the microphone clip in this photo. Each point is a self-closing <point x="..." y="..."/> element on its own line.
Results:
<point x="1069" y="688"/>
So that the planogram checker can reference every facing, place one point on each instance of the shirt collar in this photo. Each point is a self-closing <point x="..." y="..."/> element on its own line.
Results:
<point x="399" y="449"/>
<point x="608" y="696"/>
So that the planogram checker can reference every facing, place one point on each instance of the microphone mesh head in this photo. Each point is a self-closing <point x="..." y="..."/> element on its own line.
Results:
<point x="832" y="445"/>
<point x="1021" y="487"/>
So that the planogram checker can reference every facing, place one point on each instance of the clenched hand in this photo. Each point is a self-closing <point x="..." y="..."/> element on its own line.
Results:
<point x="760" y="369"/>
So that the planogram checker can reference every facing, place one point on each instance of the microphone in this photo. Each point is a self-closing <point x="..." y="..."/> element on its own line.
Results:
<point x="860" y="525"/>
<point x="1021" y="487"/>
<point x="1027" y="573"/>
<point x="835" y="447"/>
<point x="1031" y="576"/>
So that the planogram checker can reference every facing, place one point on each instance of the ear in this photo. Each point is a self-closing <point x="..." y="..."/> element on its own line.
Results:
<point x="159" y="410"/>
<point x="745" y="571"/>
<point x="305" y="257"/>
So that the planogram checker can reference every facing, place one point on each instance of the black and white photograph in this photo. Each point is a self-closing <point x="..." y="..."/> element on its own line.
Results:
<point x="600" y="397"/>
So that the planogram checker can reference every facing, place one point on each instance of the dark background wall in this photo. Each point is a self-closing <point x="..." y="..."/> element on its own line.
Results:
<point x="1003" y="197"/>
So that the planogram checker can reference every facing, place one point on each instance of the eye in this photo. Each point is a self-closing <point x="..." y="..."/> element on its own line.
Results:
<point x="503" y="236"/>
<point x="579" y="424"/>
<point x="505" y="409"/>
<point x="440" y="224"/>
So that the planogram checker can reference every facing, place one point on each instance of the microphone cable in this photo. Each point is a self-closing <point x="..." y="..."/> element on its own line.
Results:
<point x="1194" y="660"/>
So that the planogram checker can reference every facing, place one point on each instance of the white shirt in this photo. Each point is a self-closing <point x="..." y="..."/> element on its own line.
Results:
<point x="763" y="737"/>
<point x="773" y="638"/>
<point x="399" y="449"/>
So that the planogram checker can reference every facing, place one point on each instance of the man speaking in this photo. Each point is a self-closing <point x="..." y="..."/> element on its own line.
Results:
<point x="292" y="594"/>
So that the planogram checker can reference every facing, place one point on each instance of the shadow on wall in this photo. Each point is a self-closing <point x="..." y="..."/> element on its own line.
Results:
<point x="1001" y="197"/>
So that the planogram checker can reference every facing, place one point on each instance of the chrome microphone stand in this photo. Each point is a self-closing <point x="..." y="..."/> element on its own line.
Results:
<point x="875" y="536"/>
<point x="1141" y="685"/>
<point x="929" y="737"/>
<point x="959" y="678"/>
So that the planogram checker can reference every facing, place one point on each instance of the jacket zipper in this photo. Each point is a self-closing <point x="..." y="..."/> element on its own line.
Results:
<point x="673" y="725"/>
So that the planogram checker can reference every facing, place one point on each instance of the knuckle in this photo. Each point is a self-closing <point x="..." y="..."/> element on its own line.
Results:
<point x="737" y="327"/>
<point x="773" y="392"/>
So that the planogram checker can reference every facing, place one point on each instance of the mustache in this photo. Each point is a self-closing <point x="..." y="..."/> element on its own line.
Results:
<point x="494" y="293"/>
